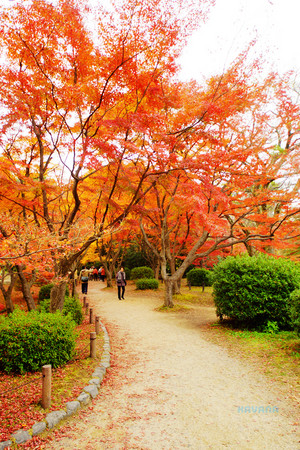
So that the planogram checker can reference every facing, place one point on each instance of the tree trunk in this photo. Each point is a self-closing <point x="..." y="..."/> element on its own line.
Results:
<point x="177" y="286"/>
<point x="72" y="286"/>
<point x="7" y="292"/>
<point x="109" y="279"/>
<point x="57" y="296"/>
<point x="169" y="285"/>
<point x="25" y="286"/>
<point x="250" y="249"/>
<point x="7" y="297"/>
<point x="156" y="271"/>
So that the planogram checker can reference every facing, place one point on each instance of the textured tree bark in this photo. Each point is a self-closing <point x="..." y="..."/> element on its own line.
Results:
<point x="25" y="286"/>
<point x="57" y="296"/>
<point x="7" y="292"/>
<point x="7" y="298"/>
<point x="169" y="285"/>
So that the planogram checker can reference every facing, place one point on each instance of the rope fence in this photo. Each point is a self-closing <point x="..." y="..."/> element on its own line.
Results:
<point x="20" y="386"/>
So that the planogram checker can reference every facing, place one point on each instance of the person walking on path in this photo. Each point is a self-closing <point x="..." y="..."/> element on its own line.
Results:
<point x="102" y="274"/>
<point x="84" y="278"/>
<point x="95" y="274"/>
<point x="121" y="283"/>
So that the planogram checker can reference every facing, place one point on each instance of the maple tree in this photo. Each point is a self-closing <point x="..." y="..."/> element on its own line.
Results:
<point x="222" y="194"/>
<point x="94" y="122"/>
<point x="111" y="251"/>
<point x="78" y="102"/>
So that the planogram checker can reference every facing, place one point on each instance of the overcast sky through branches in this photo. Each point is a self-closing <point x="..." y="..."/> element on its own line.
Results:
<point x="231" y="25"/>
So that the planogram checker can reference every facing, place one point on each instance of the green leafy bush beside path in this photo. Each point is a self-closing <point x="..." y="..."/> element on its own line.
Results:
<point x="30" y="340"/>
<point x="255" y="290"/>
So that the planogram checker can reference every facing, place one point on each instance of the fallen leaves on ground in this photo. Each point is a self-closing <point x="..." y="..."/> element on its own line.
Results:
<point x="20" y="395"/>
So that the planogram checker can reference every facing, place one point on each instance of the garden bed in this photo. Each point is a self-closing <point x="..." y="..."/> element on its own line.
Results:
<point x="20" y="395"/>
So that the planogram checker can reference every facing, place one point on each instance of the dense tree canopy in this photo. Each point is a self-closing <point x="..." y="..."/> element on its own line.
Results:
<point x="96" y="129"/>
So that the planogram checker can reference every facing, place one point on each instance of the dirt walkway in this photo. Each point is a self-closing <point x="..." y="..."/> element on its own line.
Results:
<point x="168" y="388"/>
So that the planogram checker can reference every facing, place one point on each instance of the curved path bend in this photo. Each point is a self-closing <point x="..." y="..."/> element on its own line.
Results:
<point x="169" y="388"/>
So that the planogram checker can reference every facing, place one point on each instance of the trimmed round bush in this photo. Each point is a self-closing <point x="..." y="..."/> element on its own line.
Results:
<point x="199" y="277"/>
<point x="29" y="340"/>
<point x="141" y="272"/>
<point x="147" y="283"/>
<point x="72" y="306"/>
<point x="295" y="310"/>
<point x="255" y="290"/>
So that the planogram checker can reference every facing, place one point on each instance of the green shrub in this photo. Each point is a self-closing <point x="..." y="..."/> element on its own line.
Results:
<point x="46" y="290"/>
<point x="30" y="340"/>
<point x="295" y="309"/>
<point x="44" y="306"/>
<point x="255" y="290"/>
<point x="134" y="257"/>
<point x="72" y="306"/>
<point x="127" y="273"/>
<point x="141" y="272"/>
<point x="199" y="277"/>
<point x="146" y="283"/>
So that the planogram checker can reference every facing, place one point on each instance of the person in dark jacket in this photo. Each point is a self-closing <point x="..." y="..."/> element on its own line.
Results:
<point x="121" y="283"/>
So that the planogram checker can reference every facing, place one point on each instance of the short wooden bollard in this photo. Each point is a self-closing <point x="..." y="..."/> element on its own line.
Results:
<point x="91" y="315"/>
<point x="97" y="324"/>
<point x="93" y="344"/>
<point x="46" y="386"/>
<point x="84" y="300"/>
<point x="86" y="308"/>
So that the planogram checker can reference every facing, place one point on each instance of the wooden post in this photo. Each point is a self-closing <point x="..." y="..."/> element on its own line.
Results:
<point x="84" y="300"/>
<point x="97" y="324"/>
<point x="86" y="309"/>
<point x="46" y="386"/>
<point x="93" y="344"/>
<point x="91" y="315"/>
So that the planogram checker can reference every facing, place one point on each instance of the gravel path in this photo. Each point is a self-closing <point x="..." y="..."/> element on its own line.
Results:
<point x="168" y="388"/>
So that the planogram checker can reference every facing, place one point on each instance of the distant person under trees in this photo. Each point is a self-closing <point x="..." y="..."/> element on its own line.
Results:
<point x="121" y="283"/>
<point x="102" y="274"/>
<point x="84" y="278"/>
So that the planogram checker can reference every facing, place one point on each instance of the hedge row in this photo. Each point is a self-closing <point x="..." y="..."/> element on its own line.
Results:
<point x="147" y="283"/>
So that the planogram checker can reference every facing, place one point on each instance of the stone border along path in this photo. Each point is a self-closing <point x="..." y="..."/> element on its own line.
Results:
<point x="55" y="417"/>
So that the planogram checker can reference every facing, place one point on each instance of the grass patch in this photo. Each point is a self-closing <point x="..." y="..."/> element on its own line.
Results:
<point x="175" y="308"/>
<point x="191" y="298"/>
<point x="195" y="295"/>
<point x="275" y="354"/>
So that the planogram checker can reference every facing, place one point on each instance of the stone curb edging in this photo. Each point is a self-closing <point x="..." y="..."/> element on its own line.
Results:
<point x="55" y="417"/>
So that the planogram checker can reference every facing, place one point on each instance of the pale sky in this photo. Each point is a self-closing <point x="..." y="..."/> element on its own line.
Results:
<point x="234" y="23"/>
